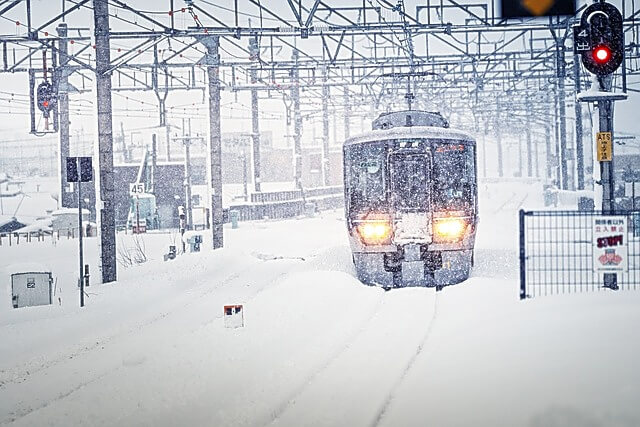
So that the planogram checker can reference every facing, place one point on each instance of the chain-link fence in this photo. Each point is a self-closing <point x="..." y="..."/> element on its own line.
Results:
<point x="578" y="251"/>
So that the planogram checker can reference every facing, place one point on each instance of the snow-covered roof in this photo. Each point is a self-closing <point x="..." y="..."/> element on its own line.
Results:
<point x="67" y="211"/>
<point x="410" y="132"/>
<point x="7" y="219"/>
<point x="39" y="225"/>
<point x="26" y="267"/>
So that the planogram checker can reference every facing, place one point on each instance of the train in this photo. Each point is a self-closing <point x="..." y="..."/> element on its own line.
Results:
<point x="411" y="201"/>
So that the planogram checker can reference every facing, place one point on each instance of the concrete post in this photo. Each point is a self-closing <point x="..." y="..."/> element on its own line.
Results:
<point x="254" y="51"/>
<point x="325" y="128"/>
<point x="498" y="132"/>
<point x="579" y="126"/>
<point x="105" y="201"/>
<point x="297" y="123"/>
<point x="212" y="60"/>
<point x="528" y="138"/>
<point x="65" y="199"/>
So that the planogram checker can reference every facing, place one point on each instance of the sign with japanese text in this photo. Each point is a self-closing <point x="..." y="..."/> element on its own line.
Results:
<point x="581" y="40"/>
<point x="610" y="244"/>
<point x="603" y="146"/>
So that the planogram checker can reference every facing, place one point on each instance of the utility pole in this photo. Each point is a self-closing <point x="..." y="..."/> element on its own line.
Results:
<point x="347" y="114"/>
<point x="527" y="132"/>
<point x="186" y="139"/>
<point x="65" y="199"/>
<point x="561" y="95"/>
<point x="106" y="201"/>
<point x="520" y="155"/>
<point x="254" y="51"/>
<point x="154" y="161"/>
<point x="168" y="137"/>
<point x="325" y="127"/>
<point x="297" y="123"/>
<point x="80" y="248"/>
<point x="579" y="126"/>
<point x="212" y="61"/>
<point x="498" y="132"/>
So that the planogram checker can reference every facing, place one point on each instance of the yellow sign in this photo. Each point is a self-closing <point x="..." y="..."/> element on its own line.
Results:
<point x="603" y="146"/>
<point x="538" y="7"/>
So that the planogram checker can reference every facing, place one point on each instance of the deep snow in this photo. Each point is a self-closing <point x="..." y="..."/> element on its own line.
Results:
<point x="318" y="347"/>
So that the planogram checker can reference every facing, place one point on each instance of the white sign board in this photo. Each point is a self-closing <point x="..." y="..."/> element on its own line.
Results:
<point x="610" y="244"/>
<point x="233" y="316"/>
<point x="136" y="188"/>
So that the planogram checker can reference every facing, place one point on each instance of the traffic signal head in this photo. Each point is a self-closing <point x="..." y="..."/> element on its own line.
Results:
<point x="600" y="39"/>
<point x="46" y="98"/>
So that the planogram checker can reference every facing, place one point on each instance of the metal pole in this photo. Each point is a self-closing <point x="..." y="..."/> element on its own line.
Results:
<point x="523" y="270"/>
<point x="297" y="123"/>
<point x="187" y="174"/>
<point x="606" y="168"/>
<point x="168" y="136"/>
<point x="80" y="277"/>
<point x="547" y="144"/>
<point x="212" y="59"/>
<point x="563" y="117"/>
<point x="136" y="230"/>
<point x="154" y="161"/>
<point x="105" y="142"/>
<point x="556" y="144"/>
<point x="497" y="130"/>
<point x="527" y="132"/>
<point x="255" y="122"/>
<point x="325" y="127"/>
<point x="347" y="114"/>
<point x="65" y="198"/>
<point x="245" y="178"/>
<point x="520" y="155"/>
<point x="579" y="126"/>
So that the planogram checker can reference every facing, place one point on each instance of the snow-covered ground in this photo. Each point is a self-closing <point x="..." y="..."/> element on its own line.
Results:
<point x="318" y="347"/>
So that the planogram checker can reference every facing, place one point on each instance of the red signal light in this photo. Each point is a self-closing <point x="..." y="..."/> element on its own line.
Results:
<point x="45" y="104"/>
<point x="602" y="54"/>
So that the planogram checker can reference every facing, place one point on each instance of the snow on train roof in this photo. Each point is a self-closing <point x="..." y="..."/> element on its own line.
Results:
<point x="410" y="132"/>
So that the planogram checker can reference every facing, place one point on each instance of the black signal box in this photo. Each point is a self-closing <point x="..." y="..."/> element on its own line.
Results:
<point x="85" y="172"/>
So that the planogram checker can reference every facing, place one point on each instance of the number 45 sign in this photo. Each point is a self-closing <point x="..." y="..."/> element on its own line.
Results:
<point x="136" y="188"/>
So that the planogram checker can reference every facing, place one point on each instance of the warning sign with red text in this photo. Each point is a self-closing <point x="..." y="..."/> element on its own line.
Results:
<point x="610" y="244"/>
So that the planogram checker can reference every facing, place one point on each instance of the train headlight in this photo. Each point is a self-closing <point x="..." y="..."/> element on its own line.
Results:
<point x="374" y="232"/>
<point x="449" y="229"/>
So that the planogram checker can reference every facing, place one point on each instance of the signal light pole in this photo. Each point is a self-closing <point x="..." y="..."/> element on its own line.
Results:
<point x="599" y="39"/>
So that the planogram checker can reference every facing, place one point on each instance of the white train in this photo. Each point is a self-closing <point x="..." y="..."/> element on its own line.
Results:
<point x="411" y="201"/>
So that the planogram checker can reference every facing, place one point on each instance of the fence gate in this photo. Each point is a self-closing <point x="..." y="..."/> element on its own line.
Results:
<point x="578" y="251"/>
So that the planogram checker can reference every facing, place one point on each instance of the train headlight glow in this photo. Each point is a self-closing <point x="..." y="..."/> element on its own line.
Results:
<point x="376" y="232"/>
<point x="449" y="229"/>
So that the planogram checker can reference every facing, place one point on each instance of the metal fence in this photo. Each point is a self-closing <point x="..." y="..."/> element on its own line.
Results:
<point x="558" y="249"/>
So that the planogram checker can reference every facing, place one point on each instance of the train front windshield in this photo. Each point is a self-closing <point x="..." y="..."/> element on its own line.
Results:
<point x="442" y="181"/>
<point x="453" y="176"/>
<point x="367" y="175"/>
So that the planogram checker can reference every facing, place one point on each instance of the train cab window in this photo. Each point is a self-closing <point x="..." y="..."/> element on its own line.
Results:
<point x="366" y="175"/>
<point x="409" y="181"/>
<point x="453" y="176"/>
